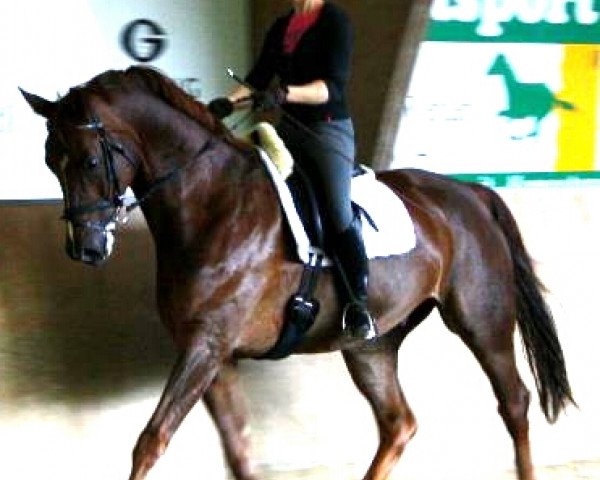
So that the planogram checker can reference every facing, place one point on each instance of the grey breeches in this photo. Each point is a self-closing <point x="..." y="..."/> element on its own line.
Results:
<point x="327" y="158"/>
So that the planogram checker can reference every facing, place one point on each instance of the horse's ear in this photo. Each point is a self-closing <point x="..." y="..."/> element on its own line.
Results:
<point x="40" y="105"/>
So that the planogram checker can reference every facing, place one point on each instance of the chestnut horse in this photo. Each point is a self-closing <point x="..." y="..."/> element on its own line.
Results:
<point x="225" y="271"/>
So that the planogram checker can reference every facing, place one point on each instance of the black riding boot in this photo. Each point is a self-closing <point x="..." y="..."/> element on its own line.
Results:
<point x="353" y="263"/>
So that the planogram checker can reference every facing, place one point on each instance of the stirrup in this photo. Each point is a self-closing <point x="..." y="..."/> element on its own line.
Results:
<point x="365" y="330"/>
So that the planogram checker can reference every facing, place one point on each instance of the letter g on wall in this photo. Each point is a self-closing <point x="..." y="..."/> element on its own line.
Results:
<point x="143" y="40"/>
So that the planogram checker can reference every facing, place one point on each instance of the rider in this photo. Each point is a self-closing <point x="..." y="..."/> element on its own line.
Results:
<point x="309" y="51"/>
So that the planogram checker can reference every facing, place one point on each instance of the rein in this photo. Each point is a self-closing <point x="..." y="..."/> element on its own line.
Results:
<point x="166" y="178"/>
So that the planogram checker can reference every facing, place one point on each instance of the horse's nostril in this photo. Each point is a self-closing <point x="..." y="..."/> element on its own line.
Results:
<point x="91" y="256"/>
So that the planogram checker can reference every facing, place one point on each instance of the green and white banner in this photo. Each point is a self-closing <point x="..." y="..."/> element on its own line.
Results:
<point x="506" y="92"/>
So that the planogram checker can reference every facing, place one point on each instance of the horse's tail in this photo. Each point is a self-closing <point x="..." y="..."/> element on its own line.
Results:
<point x="538" y="331"/>
<point x="564" y="104"/>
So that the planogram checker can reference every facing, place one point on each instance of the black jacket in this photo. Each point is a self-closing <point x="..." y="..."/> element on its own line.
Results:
<point x="324" y="52"/>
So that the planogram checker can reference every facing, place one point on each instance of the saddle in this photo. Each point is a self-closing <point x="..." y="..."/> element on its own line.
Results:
<point x="303" y="196"/>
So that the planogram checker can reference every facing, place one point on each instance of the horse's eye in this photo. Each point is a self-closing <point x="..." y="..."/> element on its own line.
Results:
<point x="92" y="162"/>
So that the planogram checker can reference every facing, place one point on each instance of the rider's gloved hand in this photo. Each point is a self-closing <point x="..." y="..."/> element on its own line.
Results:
<point x="269" y="99"/>
<point x="221" y="107"/>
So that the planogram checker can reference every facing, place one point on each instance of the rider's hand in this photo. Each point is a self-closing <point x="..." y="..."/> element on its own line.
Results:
<point x="269" y="99"/>
<point x="221" y="107"/>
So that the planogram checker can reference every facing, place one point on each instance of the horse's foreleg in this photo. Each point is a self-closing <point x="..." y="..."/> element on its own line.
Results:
<point x="375" y="375"/>
<point x="192" y="374"/>
<point x="226" y="405"/>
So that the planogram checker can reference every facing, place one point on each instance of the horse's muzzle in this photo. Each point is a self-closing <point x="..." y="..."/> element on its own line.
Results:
<point x="90" y="242"/>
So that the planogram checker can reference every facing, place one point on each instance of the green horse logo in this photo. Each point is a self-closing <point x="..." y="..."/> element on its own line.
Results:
<point x="526" y="100"/>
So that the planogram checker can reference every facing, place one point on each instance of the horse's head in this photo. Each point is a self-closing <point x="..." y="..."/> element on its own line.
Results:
<point x="500" y="66"/>
<point x="117" y="126"/>
<point x="92" y="167"/>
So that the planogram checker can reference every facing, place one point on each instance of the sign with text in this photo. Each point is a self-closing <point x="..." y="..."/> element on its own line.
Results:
<point x="506" y="92"/>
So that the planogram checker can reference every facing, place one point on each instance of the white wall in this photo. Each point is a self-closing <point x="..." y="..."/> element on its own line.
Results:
<point x="48" y="47"/>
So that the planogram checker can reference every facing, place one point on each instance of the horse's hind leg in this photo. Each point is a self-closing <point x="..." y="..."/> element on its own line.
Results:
<point x="487" y="328"/>
<point x="226" y="406"/>
<point x="375" y="374"/>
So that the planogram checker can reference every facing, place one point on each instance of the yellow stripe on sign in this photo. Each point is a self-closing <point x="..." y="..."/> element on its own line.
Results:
<point x="578" y="125"/>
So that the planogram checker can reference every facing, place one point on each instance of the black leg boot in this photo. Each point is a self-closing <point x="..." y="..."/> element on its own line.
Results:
<point x="354" y="271"/>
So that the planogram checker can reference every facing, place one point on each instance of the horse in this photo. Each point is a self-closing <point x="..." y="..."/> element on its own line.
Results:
<point x="526" y="100"/>
<point x="225" y="270"/>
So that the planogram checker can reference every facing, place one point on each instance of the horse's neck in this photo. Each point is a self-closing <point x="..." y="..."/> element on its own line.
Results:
<point x="209" y="185"/>
<point x="509" y="76"/>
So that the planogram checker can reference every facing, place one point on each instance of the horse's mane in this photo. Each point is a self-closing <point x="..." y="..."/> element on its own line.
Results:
<point x="158" y="84"/>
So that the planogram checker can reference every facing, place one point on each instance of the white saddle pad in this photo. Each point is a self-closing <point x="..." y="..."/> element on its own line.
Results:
<point x="395" y="232"/>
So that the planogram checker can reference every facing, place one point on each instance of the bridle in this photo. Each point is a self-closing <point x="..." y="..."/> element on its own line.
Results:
<point x="114" y="201"/>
